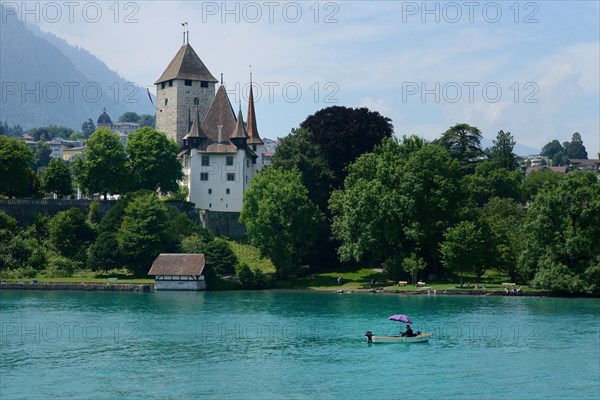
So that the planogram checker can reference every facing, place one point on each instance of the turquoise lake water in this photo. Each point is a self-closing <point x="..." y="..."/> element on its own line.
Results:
<point x="294" y="345"/>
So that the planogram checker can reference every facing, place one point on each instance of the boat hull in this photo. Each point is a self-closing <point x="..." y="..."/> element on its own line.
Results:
<point x="424" y="337"/>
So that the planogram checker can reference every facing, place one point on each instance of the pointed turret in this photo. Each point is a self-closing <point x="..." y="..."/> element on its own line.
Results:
<point x="239" y="135"/>
<point x="186" y="65"/>
<point x="252" y="130"/>
<point x="196" y="136"/>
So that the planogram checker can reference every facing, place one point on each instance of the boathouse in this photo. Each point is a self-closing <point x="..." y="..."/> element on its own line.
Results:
<point x="178" y="272"/>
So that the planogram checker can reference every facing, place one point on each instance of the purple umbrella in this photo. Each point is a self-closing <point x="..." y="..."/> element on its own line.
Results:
<point x="400" y="318"/>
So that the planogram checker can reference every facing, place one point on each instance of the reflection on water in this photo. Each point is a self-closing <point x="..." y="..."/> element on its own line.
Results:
<point x="294" y="345"/>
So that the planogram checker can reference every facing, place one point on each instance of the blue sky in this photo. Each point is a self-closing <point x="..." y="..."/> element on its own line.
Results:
<point x="531" y="68"/>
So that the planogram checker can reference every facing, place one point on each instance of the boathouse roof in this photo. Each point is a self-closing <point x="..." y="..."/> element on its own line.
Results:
<point x="178" y="264"/>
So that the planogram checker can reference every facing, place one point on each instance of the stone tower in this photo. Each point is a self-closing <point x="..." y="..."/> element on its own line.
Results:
<point x="184" y="87"/>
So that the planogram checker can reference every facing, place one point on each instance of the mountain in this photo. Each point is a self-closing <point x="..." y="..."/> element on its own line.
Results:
<point x="47" y="81"/>
<point x="520" y="149"/>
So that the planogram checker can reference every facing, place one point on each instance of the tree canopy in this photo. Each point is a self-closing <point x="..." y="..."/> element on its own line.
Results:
<point x="56" y="178"/>
<point x="152" y="161"/>
<point x="280" y="219"/>
<point x="343" y="134"/>
<point x="102" y="168"/>
<point x="15" y="174"/>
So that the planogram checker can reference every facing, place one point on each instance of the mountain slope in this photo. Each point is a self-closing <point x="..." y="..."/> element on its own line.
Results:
<point x="46" y="81"/>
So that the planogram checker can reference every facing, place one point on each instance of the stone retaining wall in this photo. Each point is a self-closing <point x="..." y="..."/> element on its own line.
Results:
<point x="104" y="287"/>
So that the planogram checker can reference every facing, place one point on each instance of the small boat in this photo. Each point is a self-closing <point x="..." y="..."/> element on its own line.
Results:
<point x="421" y="338"/>
<point x="406" y="337"/>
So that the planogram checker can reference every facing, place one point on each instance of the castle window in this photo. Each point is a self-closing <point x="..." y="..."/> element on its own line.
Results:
<point x="229" y="160"/>
<point x="166" y="102"/>
<point x="196" y="101"/>
<point x="170" y="83"/>
<point x="209" y="205"/>
<point x="188" y="82"/>
<point x="209" y="191"/>
<point x="230" y="177"/>
<point x="162" y="85"/>
<point x="204" y="84"/>
<point x="205" y="161"/>
<point x="204" y="176"/>
<point x="247" y="163"/>
<point x="227" y="191"/>
<point x="254" y="147"/>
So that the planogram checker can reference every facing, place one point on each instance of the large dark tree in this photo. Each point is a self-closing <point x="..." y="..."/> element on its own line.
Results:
<point x="575" y="148"/>
<point x="343" y="134"/>
<point x="463" y="142"/>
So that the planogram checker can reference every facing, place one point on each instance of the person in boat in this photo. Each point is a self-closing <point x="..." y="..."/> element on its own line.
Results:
<point x="408" y="333"/>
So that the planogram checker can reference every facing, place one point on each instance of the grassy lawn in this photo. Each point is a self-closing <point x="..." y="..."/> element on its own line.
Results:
<point x="250" y="255"/>
<point x="361" y="279"/>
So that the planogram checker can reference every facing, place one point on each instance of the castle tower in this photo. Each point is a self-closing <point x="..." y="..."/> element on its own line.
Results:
<point x="186" y="85"/>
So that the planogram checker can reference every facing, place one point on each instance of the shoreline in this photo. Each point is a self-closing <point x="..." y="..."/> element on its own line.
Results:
<point x="88" y="287"/>
<point x="149" y="287"/>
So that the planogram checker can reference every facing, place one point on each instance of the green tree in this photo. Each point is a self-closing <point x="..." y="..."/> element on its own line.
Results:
<point x="492" y="180"/>
<point x="220" y="256"/>
<point x="280" y="219"/>
<point x="102" y="168"/>
<point x="563" y="228"/>
<point x="575" y="148"/>
<point x="505" y="218"/>
<point x="70" y="234"/>
<point x="147" y="120"/>
<point x="551" y="149"/>
<point x="502" y="151"/>
<point x="463" y="142"/>
<point x="56" y="178"/>
<point x="554" y="151"/>
<point x="141" y="234"/>
<point x="152" y="161"/>
<point x="413" y="265"/>
<point x="397" y="201"/>
<point x="88" y="128"/>
<point x="104" y="254"/>
<point x="297" y="151"/>
<point x="41" y="155"/>
<point x="462" y="249"/>
<point x="196" y="242"/>
<point x="129" y="116"/>
<point x="537" y="180"/>
<point x="15" y="174"/>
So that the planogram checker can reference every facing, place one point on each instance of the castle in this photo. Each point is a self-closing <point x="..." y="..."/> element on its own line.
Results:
<point x="220" y="153"/>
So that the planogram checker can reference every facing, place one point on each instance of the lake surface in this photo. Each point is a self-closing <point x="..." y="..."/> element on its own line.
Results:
<point x="294" y="345"/>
